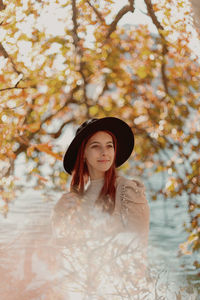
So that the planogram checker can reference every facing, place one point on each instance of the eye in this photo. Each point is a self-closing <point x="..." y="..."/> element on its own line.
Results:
<point x="110" y="146"/>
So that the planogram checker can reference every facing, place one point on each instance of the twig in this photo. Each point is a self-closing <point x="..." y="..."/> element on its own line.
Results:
<point x="98" y="14"/>
<point x="160" y="28"/>
<point x="14" y="87"/>
<point x="4" y="53"/>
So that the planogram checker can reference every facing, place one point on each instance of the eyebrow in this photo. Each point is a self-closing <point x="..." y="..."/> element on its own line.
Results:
<point x="96" y="142"/>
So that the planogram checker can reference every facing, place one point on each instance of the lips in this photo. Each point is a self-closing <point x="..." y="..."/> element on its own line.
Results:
<point x="103" y="161"/>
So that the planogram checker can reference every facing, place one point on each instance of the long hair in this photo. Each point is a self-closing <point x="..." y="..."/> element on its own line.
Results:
<point x="80" y="176"/>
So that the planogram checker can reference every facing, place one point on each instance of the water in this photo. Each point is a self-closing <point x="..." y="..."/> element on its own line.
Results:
<point x="30" y="265"/>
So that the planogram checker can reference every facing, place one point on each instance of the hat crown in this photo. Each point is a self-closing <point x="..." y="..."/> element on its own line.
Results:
<point x="84" y="125"/>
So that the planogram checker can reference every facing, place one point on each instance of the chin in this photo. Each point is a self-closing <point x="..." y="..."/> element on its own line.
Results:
<point x="104" y="169"/>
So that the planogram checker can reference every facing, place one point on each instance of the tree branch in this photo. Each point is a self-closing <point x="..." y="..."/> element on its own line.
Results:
<point x="4" y="53"/>
<point x="68" y="97"/>
<point x="105" y="87"/>
<point x="2" y="6"/>
<point x="56" y="134"/>
<point x="75" y="27"/>
<point x="79" y="52"/>
<point x="16" y="87"/>
<point x="152" y="15"/>
<point x="163" y="73"/>
<point x="98" y="14"/>
<point x="118" y="17"/>
<point x="160" y="28"/>
<point x="25" y="141"/>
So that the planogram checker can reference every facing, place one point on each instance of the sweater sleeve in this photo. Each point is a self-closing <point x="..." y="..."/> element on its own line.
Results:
<point x="58" y="217"/>
<point x="61" y="217"/>
<point x="134" y="207"/>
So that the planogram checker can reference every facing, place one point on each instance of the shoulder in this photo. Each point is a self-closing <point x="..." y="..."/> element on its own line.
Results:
<point x="61" y="206"/>
<point x="134" y="183"/>
<point x="61" y="201"/>
<point x="130" y="189"/>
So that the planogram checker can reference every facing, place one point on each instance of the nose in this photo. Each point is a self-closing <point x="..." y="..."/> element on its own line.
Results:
<point x="103" y="151"/>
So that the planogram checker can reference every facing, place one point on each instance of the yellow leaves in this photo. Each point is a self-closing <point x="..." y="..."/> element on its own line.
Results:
<point x="33" y="127"/>
<point x="160" y="168"/>
<point x="63" y="179"/>
<point x="167" y="12"/>
<point x="24" y="37"/>
<point x="145" y="52"/>
<point x="43" y="148"/>
<point x="164" y="33"/>
<point x="4" y="209"/>
<point x="184" y="248"/>
<point x="30" y="150"/>
<point x="171" y="185"/>
<point x="161" y="141"/>
<point x="93" y="110"/>
<point x="142" y="72"/>
<point x="181" y="3"/>
<point x="63" y="175"/>
<point x="2" y="79"/>
<point x="191" y="243"/>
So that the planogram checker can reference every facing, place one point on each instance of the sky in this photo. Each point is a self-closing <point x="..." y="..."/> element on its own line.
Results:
<point x="138" y="17"/>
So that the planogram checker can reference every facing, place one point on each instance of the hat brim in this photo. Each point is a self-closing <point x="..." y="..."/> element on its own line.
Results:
<point x="122" y="132"/>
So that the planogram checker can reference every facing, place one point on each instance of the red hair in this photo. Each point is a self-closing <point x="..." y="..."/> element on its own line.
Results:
<point x="80" y="176"/>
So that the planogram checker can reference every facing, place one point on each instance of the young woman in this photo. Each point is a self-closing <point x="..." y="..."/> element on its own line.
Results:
<point x="98" y="148"/>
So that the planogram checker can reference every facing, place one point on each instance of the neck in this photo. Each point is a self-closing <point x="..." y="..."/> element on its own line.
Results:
<point x="96" y="175"/>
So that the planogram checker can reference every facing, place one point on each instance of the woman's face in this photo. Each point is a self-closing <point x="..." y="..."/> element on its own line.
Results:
<point x="99" y="154"/>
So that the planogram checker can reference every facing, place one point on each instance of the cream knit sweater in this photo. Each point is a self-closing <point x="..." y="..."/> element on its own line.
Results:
<point x="131" y="207"/>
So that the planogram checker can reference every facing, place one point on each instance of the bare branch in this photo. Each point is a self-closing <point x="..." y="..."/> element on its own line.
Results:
<point x="131" y="2"/>
<point x="152" y="15"/>
<point x="21" y="149"/>
<point x="69" y="99"/>
<point x="79" y="52"/>
<point x="2" y="6"/>
<point x="75" y="27"/>
<point x="25" y="141"/>
<point x="98" y="14"/>
<point x="16" y="87"/>
<point x="56" y="134"/>
<point x="4" y="53"/>
<point x="164" y="76"/>
<point x="104" y="89"/>
<point x="13" y="108"/>
<point x="118" y="17"/>
<point x="163" y="40"/>
<point x="14" y="66"/>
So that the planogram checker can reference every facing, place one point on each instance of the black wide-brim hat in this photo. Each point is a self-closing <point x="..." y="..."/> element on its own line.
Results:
<point x="121" y="130"/>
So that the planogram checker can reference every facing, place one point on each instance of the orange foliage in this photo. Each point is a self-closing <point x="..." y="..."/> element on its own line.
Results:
<point x="87" y="65"/>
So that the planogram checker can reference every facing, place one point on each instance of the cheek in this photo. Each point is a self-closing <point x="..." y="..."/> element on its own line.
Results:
<point x="90" y="154"/>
